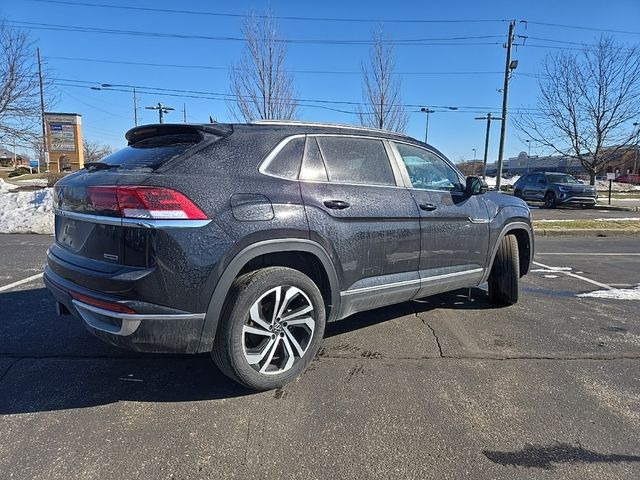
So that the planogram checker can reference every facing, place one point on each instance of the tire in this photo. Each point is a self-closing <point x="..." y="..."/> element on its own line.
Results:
<point x="517" y="193"/>
<point x="255" y="345"/>
<point x="550" y="200"/>
<point x="505" y="273"/>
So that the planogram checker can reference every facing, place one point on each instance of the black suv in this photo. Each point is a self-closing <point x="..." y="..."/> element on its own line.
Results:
<point x="244" y="240"/>
<point x="555" y="189"/>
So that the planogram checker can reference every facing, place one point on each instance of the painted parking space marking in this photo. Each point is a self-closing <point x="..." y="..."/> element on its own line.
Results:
<point x="591" y="254"/>
<point x="20" y="282"/>
<point x="564" y="271"/>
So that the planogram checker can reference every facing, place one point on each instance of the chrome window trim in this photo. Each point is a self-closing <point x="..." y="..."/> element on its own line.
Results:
<point x="274" y="153"/>
<point x="397" y="172"/>
<point x="132" y="222"/>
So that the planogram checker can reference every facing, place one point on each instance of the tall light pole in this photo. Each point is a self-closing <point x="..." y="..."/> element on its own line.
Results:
<point x="428" y="111"/>
<point x="528" y="154"/>
<point x="488" y="118"/>
<point x="108" y="86"/>
<point x="162" y="109"/>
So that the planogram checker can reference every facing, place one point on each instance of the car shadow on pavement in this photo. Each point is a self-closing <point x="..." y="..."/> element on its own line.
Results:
<point x="475" y="299"/>
<point x="547" y="456"/>
<point x="50" y="363"/>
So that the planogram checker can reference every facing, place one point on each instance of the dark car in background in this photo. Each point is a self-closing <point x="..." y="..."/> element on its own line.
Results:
<point x="243" y="240"/>
<point x="555" y="189"/>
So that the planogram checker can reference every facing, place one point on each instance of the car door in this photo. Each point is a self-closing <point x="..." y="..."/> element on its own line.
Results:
<point x="530" y="191"/>
<point x="454" y="225"/>
<point x="359" y="211"/>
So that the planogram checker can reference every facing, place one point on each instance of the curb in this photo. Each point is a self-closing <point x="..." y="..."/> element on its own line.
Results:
<point x="584" y="232"/>
<point x="617" y="208"/>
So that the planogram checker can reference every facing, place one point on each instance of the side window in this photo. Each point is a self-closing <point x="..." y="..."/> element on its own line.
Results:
<point x="356" y="160"/>
<point x="427" y="170"/>
<point x="287" y="162"/>
<point x="312" y="164"/>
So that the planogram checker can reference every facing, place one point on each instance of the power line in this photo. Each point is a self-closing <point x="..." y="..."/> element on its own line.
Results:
<point x="275" y="17"/>
<point x="313" y="72"/>
<point x="443" y="41"/>
<point x="147" y="90"/>
<point x="582" y="27"/>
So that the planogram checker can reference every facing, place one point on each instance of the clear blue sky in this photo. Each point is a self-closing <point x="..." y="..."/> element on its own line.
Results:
<point x="108" y="114"/>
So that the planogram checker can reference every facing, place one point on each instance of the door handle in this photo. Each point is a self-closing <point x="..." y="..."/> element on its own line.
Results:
<point x="429" y="207"/>
<point x="336" y="204"/>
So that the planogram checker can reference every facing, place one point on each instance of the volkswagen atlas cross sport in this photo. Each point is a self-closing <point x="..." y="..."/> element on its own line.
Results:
<point x="244" y="240"/>
<point x="555" y="189"/>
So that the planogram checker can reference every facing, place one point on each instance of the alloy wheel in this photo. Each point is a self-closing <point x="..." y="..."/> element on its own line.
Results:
<point x="279" y="330"/>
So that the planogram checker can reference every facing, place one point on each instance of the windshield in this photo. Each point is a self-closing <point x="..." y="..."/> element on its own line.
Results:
<point x="560" y="178"/>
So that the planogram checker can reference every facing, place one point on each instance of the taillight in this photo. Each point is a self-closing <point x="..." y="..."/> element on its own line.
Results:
<point x="144" y="202"/>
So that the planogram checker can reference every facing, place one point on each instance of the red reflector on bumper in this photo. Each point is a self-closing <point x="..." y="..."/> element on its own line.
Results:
<point x="111" y="306"/>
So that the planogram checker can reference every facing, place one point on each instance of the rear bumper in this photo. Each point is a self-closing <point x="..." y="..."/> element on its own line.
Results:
<point x="152" y="328"/>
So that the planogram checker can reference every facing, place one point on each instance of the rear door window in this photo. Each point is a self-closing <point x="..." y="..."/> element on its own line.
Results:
<point x="356" y="160"/>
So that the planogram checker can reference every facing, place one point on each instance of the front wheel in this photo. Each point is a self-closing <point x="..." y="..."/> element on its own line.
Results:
<point x="272" y="325"/>
<point x="550" y="200"/>
<point x="505" y="273"/>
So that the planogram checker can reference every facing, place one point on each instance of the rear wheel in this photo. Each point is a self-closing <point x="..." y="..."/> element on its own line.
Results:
<point x="273" y="323"/>
<point x="505" y="273"/>
<point x="550" y="200"/>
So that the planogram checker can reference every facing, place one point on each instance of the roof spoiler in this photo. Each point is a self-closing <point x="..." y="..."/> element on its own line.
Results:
<point x="147" y="131"/>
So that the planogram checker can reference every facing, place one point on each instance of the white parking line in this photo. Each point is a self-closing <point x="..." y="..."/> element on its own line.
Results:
<point x="570" y="274"/>
<point x="20" y="282"/>
<point x="592" y="254"/>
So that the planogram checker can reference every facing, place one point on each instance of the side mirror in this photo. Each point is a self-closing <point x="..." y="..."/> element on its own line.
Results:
<point x="475" y="186"/>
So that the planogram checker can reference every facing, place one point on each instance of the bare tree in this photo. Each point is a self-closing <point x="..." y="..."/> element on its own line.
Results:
<point x="381" y="89"/>
<point x="94" y="151"/>
<point x="19" y="93"/>
<point x="263" y="89"/>
<point x="587" y="103"/>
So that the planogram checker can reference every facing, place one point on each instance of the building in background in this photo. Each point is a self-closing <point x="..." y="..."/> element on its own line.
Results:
<point x="64" y="141"/>
<point x="7" y="158"/>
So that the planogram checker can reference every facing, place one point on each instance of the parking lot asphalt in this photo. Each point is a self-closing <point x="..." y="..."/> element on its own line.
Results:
<point x="443" y="387"/>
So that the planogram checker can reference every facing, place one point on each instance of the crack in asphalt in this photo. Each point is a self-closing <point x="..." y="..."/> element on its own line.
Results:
<point x="433" y="332"/>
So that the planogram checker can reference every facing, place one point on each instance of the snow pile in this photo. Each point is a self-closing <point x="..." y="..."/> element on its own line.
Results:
<point x="26" y="212"/>
<point x="603" y="185"/>
<point x="615" y="293"/>
<point x="34" y="182"/>
<point x="491" y="181"/>
<point x="6" y="187"/>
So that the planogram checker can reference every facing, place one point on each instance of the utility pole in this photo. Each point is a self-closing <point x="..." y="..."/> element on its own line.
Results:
<point x="488" y="118"/>
<point x="426" y="129"/>
<point x="44" y="128"/>
<point x="184" y="112"/>
<point x="635" y="162"/>
<point x="135" y="107"/>
<point x="509" y="66"/>
<point x="162" y="109"/>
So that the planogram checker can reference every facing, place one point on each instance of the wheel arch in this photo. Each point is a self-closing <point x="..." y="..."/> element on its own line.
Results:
<point x="524" y="235"/>
<point x="265" y="253"/>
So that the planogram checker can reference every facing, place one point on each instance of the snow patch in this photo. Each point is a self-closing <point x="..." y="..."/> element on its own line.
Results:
<point x="26" y="212"/>
<point x="491" y="181"/>
<point x="6" y="187"/>
<point x="615" y="293"/>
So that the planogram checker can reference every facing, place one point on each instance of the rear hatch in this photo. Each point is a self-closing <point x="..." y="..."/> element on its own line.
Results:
<point x="95" y="206"/>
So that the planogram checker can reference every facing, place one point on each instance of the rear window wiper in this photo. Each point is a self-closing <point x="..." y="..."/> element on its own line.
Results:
<point x="99" y="166"/>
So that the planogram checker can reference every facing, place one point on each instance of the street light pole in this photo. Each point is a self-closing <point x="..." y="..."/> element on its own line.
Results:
<point x="426" y="129"/>
<point x="528" y="154"/>
<point x="488" y="118"/>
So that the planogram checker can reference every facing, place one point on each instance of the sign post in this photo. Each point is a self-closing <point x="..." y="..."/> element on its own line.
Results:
<point x="611" y="177"/>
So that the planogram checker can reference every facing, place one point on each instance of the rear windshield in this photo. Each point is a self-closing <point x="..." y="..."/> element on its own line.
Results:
<point x="151" y="153"/>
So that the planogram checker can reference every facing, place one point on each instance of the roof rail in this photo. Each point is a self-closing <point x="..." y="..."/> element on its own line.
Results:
<point x="320" y="124"/>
